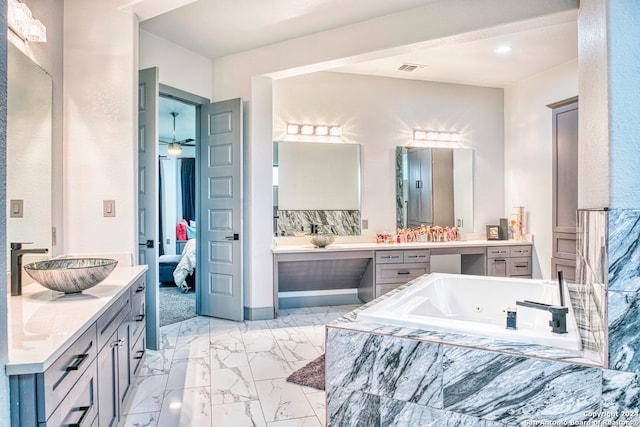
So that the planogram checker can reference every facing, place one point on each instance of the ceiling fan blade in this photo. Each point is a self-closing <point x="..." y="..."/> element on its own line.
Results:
<point x="186" y="141"/>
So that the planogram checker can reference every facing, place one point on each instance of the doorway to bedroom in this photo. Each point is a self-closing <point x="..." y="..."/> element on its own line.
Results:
<point x="177" y="154"/>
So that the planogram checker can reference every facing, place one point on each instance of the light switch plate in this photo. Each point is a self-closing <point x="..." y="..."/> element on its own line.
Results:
<point x="109" y="208"/>
<point x="365" y="224"/>
<point x="16" y="208"/>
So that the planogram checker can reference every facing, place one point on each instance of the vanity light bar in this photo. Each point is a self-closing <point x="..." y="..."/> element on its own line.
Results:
<point x="313" y="130"/>
<point x="21" y="21"/>
<point x="430" y="135"/>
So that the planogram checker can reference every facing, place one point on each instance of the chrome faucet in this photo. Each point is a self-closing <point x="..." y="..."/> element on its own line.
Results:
<point x="558" y="320"/>
<point x="16" y="265"/>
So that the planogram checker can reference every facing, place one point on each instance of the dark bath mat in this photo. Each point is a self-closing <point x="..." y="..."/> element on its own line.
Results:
<point x="310" y="375"/>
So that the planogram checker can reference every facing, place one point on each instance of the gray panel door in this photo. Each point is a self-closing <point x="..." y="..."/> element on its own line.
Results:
<point x="148" y="91"/>
<point x="220" y="264"/>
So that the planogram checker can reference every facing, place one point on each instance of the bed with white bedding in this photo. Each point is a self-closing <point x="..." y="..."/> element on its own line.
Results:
<point x="187" y="265"/>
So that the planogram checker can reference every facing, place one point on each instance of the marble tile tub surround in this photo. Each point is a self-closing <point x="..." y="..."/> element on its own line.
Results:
<point x="375" y="379"/>
<point x="608" y="260"/>
<point x="340" y="222"/>
<point x="623" y="289"/>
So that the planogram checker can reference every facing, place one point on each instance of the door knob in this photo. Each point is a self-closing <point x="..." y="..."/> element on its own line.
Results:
<point x="236" y="236"/>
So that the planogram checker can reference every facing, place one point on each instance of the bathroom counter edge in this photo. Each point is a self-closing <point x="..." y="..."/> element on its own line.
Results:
<point x="36" y="319"/>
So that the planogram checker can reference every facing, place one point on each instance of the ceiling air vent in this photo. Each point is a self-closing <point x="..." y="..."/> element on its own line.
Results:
<point x="410" y="68"/>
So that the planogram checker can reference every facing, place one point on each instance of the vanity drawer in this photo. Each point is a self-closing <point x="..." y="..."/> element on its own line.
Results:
<point x="60" y="377"/>
<point x="80" y="406"/>
<point x="389" y="257"/>
<point x="137" y="356"/>
<point x="520" y="266"/>
<point x="399" y="273"/>
<point x="519" y="251"/>
<point x="419" y="255"/>
<point x="498" y="251"/>
<point x="138" y="310"/>
<point x="109" y="322"/>
<point x="383" y="289"/>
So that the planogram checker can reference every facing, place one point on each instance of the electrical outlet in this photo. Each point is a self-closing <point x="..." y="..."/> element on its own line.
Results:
<point x="109" y="208"/>
<point x="365" y="224"/>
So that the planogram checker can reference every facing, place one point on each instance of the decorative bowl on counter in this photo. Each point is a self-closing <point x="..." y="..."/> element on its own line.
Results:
<point x="322" y="240"/>
<point x="70" y="275"/>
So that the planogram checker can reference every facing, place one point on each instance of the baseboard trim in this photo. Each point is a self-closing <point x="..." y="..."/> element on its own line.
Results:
<point x="258" y="313"/>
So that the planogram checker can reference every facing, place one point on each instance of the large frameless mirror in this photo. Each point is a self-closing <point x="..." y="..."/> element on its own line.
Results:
<point x="29" y="181"/>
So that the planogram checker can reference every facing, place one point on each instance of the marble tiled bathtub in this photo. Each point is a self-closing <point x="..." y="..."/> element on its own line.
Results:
<point x="380" y="375"/>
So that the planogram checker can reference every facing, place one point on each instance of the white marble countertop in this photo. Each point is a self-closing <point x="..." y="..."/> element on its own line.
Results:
<point x="366" y="246"/>
<point x="43" y="323"/>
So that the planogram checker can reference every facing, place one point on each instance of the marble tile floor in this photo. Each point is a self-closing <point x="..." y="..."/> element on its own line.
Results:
<point x="219" y="373"/>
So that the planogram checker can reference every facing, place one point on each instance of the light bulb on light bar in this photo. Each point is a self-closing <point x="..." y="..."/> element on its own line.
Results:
<point x="430" y="135"/>
<point x="306" y="130"/>
<point x="322" y="130"/>
<point x="335" y="131"/>
<point x="293" y="129"/>
<point x="419" y="135"/>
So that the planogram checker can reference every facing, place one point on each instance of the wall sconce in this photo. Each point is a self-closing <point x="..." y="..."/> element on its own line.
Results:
<point x="20" y="20"/>
<point x="314" y="130"/>
<point x="433" y="136"/>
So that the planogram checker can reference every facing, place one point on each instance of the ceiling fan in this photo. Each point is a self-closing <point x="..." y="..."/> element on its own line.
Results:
<point x="175" y="147"/>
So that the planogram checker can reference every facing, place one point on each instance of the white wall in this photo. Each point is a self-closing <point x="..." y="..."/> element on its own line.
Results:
<point x="179" y="67"/>
<point x="528" y="157"/>
<point x="100" y="127"/>
<point x="380" y="113"/>
<point x="593" y="116"/>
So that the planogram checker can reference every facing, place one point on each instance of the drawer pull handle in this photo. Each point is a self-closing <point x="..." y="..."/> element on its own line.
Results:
<point x="521" y="266"/>
<point x="85" y="411"/>
<point x="404" y="273"/>
<point x="139" y="317"/>
<point x="78" y="362"/>
<point x="118" y="343"/>
<point x="499" y="260"/>
<point x="139" y="354"/>
<point x="140" y="289"/>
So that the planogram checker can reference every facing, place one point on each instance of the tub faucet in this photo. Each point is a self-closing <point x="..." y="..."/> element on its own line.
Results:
<point x="16" y="265"/>
<point x="558" y="320"/>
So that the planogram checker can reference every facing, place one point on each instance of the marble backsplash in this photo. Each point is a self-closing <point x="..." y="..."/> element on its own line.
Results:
<point x="340" y="222"/>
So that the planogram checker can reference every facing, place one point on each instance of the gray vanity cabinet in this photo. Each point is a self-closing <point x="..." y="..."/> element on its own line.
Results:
<point x="397" y="267"/>
<point x="113" y="360"/>
<point x="509" y="261"/>
<point x="565" y="187"/>
<point x="137" y="336"/>
<point x="88" y="384"/>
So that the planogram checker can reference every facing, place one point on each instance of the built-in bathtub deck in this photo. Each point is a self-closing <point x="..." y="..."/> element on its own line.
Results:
<point x="387" y="375"/>
<point x="350" y="322"/>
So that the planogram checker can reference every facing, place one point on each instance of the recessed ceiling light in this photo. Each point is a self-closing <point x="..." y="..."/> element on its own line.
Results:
<point x="504" y="49"/>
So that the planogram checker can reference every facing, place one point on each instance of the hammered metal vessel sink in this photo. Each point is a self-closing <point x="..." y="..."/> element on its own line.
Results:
<point x="70" y="275"/>
<point x="322" y="240"/>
